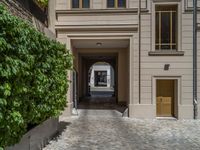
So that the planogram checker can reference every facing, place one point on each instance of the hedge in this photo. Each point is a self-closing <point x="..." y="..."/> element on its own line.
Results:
<point x="33" y="77"/>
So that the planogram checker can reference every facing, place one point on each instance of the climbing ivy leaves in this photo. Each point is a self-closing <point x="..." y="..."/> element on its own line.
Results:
<point x="33" y="77"/>
<point x="44" y="3"/>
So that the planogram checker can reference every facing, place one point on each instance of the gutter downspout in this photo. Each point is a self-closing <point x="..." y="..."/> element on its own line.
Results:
<point x="139" y="48"/>
<point x="195" y="59"/>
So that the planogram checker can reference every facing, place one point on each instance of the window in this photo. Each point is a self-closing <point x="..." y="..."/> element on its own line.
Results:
<point x="80" y="3"/>
<point x="100" y="78"/>
<point x="86" y="3"/>
<point x="75" y="3"/>
<point x="166" y="27"/>
<point x="116" y="3"/>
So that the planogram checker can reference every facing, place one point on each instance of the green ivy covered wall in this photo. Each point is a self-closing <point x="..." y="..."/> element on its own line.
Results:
<point x="33" y="77"/>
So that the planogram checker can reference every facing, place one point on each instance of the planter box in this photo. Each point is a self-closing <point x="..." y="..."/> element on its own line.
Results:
<point x="38" y="137"/>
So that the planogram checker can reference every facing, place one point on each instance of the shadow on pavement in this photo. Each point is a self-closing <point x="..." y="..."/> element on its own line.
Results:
<point x="104" y="103"/>
<point x="62" y="126"/>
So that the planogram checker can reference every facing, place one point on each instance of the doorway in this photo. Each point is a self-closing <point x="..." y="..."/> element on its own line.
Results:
<point x="98" y="81"/>
<point x="103" y="73"/>
<point x="101" y="81"/>
<point x="100" y="78"/>
<point x="166" y="98"/>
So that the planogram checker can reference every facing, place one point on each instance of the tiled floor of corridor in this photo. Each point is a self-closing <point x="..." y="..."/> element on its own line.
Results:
<point x="101" y="129"/>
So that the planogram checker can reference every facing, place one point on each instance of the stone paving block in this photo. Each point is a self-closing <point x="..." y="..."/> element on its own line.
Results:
<point x="107" y="130"/>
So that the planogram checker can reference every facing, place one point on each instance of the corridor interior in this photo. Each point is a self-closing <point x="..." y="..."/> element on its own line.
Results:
<point x="100" y="93"/>
<point x="102" y="75"/>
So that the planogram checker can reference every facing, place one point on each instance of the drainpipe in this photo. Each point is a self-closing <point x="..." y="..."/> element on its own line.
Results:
<point x="195" y="58"/>
<point x="139" y="48"/>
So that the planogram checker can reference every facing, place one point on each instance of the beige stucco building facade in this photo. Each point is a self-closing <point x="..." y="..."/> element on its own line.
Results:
<point x="153" y="77"/>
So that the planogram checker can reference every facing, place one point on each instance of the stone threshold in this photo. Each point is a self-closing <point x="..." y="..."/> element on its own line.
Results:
<point x="166" y="118"/>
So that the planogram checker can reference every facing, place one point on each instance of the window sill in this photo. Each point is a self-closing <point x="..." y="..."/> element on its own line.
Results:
<point x="115" y="7"/>
<point x="166" y="53"/>
<point x="80" y="8"/>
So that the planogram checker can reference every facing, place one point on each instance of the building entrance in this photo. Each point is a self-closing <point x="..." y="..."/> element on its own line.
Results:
<point x="166" y="98"/>
<point x="103" y="73"/>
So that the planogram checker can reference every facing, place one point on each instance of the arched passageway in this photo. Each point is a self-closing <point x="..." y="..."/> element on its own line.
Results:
<point x="101" y="80"/>
<point x="98" y="82"/>
<point x="102" y="73"/>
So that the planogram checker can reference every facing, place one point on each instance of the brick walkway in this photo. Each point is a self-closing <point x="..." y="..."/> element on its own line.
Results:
<point x="107" y="130"/>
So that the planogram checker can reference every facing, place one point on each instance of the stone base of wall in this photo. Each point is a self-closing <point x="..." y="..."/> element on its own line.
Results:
<point x="142" y="111"/>
<point x="185" y="112"/>
<point x="37" y="137"/>
<point x="68" y="110"/>
<point x="199" y="112"/>
<point x="145" y="111"/>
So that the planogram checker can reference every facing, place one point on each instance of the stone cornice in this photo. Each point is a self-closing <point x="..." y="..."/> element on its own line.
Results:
<point x="96" y="11"/>
<point x="122" y="27"/>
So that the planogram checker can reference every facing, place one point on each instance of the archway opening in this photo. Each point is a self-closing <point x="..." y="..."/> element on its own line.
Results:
<point x="96" y="93"/>
<point x="101" y="80"/>
<point x="98" y="84"/>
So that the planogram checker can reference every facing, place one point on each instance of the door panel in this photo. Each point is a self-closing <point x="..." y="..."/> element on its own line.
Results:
<point x="167" y="106"/>
<point x="158" y="106"/>
<point x="165" y="98"/>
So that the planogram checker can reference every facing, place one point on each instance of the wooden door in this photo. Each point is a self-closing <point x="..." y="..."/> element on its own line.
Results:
<point x="165" y="98"/>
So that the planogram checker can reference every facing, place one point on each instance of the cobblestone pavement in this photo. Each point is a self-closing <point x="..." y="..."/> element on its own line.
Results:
<point x="107" y="130"/>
